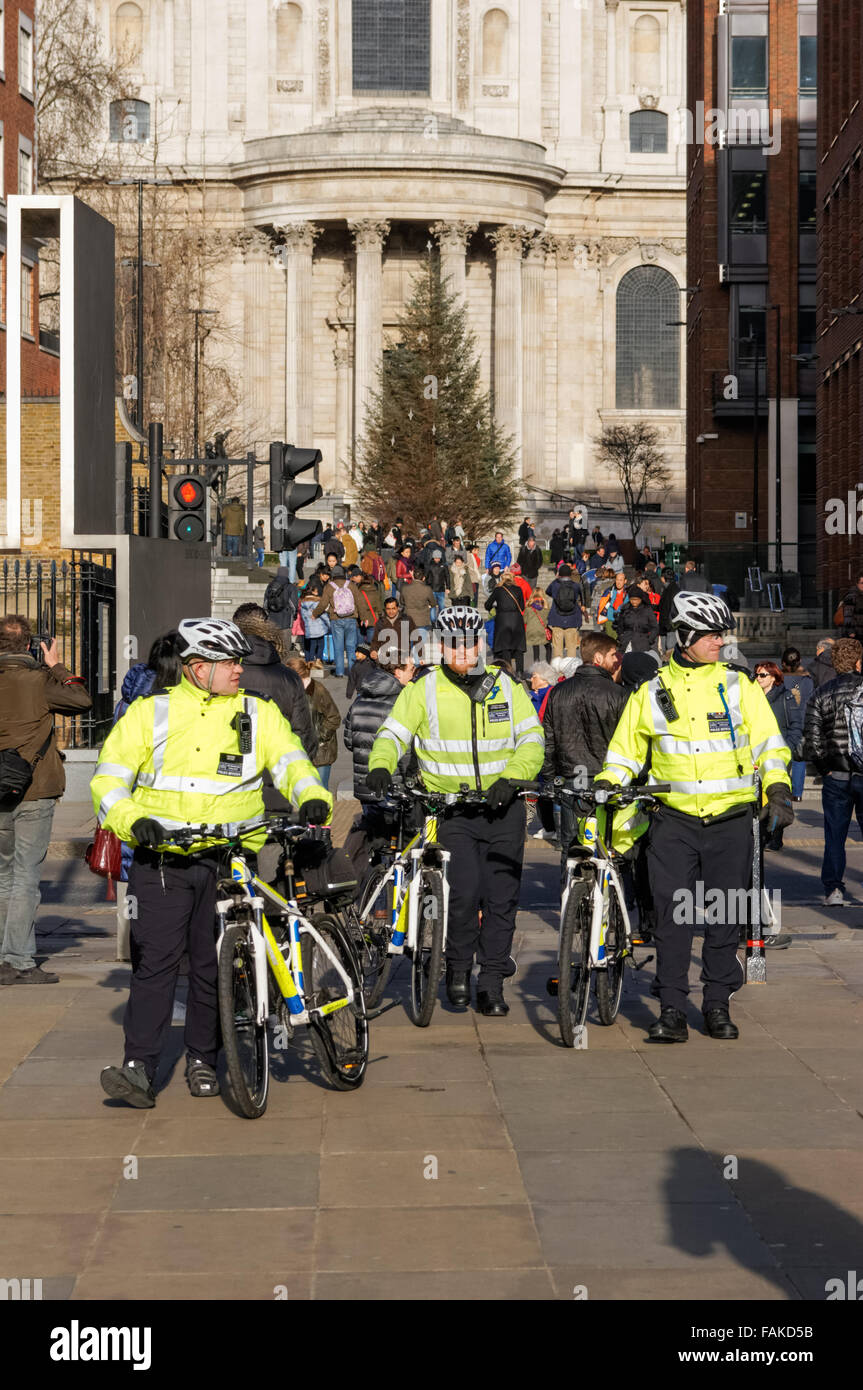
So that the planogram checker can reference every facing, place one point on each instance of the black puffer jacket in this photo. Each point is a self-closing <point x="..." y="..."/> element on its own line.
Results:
<point x="264" y="674"/>
<point x="581" y="715"/>
<point x="377" y="695"/>
<point x="637" y="628"/>
<point x="825" y="733"/>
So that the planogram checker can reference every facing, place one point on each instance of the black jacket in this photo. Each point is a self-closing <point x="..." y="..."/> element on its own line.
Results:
<point x="637" y="628"/>
<point x="264" y="674"/>
<point x="825" y="735"/>
<point x="531" y="562"/>
<point x="581" y="715"/>
<point x="821" y="669"/>
<point x="437" y="576"/>
<point x="669" y="594"/>
<point x="378" y="693"/>
<point x="285" y="593"/>
<point x="506" y="606"/>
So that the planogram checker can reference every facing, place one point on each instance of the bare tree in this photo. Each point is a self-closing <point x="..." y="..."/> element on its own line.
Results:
<point x="631" y="451"/>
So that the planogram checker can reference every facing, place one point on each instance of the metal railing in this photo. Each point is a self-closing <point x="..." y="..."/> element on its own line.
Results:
<point x="73" y="601"/>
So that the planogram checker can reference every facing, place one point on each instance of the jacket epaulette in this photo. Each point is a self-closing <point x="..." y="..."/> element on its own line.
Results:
<point x="738" y="666"/>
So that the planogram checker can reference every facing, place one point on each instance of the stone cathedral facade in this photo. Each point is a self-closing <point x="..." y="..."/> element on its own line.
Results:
<point x="535" y="145"/>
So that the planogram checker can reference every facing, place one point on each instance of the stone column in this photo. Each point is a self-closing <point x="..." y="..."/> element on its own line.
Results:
<point x="533" y="414"/>
<point x="368" y="335"/>
<point x="257" y="254"/>
<point x="452" y="238"/>
<point x="344" y="360"/>
<point x="509" y="244"/>
<point x="299" y="240"/>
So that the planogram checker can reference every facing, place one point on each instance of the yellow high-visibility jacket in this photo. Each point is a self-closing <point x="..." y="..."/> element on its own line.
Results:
<point x="708" y="761"/>
<point x="174" y="757"/>
<point x="459" y="740"/>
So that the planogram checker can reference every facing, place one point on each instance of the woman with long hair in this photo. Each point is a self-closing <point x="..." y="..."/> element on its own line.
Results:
<point x="789" y="717"/>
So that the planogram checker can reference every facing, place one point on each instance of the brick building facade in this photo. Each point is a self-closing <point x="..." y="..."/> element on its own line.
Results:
<point x="840" y="286"/>
<point x="751" y="247"/>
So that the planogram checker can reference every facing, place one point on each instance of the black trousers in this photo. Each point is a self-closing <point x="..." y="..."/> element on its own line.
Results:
<point x="171" y="920"/>
<point x="484" y="875"/>
<point x="681" y="855"/>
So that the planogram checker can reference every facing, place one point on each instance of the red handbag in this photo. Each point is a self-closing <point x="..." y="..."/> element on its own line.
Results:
<point x="105" y="855"/>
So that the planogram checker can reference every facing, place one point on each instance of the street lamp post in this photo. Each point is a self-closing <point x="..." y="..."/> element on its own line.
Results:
<point x="775" y="308"/>
<point x="196" y="452"/>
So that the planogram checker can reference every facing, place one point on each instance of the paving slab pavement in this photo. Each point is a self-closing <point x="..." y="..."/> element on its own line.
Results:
<point x="480" y="1159"/>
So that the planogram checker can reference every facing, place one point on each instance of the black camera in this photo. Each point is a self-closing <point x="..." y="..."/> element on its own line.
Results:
<point x="35" y="647"/>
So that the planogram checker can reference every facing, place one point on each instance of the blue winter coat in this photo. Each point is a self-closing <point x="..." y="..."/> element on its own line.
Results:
<point x="565" y="620"/>
<point x="138" y="680"/>
<point x="498" y="553"/>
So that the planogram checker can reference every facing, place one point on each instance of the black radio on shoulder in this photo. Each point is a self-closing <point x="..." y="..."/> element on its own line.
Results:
<point x="666" y="704"/>
<point x="243" y="725"/>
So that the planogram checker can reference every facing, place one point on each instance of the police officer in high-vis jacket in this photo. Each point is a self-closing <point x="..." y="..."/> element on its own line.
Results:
<point x="190" y="755"/>
<point x="470" y="724"/>
<point x="705" y="725"/>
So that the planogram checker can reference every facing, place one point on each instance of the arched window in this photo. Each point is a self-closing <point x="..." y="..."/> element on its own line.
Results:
<point x="645" y="53"/>
<point x="495" y="32"/>
<point x="289" y="21"/>
<point x="129" y="32"/>
<point x="648" y="132"/>
<point x="648" y="347"/>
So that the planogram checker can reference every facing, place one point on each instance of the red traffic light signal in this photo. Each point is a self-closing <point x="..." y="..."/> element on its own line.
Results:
<point x="188" y="507"/>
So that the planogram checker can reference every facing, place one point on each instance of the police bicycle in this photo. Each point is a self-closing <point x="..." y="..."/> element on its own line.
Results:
<point x="282" y="965"/>
<point x="596" y="934"/>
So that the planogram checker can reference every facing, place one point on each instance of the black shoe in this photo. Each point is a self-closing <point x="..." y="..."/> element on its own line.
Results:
<point x="129" y="1083"/>
<point x="719" y="1025"/>
<point x="779" y="941"/>
<point x="670" y="1027"/>
<point x="492" y="1003"/>
<point x="458" y="987"/>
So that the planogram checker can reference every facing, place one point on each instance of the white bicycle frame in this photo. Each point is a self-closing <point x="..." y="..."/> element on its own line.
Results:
<point x="287" y="959"/>
<point x="417" y="856"/>
<point x="405" y="881"/>
<point x="605" y="879"/>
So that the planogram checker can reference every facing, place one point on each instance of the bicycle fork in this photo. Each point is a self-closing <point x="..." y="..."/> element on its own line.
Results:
<point x="413" y="897"/>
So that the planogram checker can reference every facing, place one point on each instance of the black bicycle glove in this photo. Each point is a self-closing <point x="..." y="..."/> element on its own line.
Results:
<point x="379" y="782"/>
<point x="778" y="809"/>
<point x="149" y="833"/>
<point x="545" y="811"/>
<point x="313" y="812"/>
<point x="500" y="794"/>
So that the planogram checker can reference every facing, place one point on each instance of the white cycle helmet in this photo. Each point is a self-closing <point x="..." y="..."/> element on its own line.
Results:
<point x="211" y="639"/>
<point x="694" y="613"/>
<point x="460" y="619"/>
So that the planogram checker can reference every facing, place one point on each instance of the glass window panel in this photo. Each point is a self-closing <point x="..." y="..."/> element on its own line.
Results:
<point x="647" y="347"/>
<point x="748" y="64"/>
<point x="748" y="202"/>
<point x="807" y="202"/>
<point x="648" y="132"/>
<point x="391" y="45"/>
<point x="808" y="63"/>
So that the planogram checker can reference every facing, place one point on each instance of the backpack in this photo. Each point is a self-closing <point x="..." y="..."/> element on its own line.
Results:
<point x="854" y="725"/>
<point x="343" y="601"/>
<point x="274" y="596"/>
<point x="565" y="601"/>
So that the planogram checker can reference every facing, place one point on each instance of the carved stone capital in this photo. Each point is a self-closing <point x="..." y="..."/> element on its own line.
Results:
<point x="254" y="243"/>
<point x="297" y="236"/>
<point x="343" y="356"/>
<point x="509" y="242"/>
<point x="453" y="236"/>
<point x="368" y="234"/>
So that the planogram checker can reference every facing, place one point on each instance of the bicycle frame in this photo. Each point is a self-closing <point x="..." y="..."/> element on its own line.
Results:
<point x="288" y="973"/>
<point x="404" y="874"/>
<point x="604" y="878"/>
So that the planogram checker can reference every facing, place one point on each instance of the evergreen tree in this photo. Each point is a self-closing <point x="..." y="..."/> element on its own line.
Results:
<point x="431" y="447"/>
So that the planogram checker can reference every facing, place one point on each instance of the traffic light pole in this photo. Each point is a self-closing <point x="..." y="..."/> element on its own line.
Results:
<point x="250" y="503"/>
<point x="156" y="434"/>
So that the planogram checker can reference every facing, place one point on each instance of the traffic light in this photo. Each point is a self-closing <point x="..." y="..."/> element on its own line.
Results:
<point x="187" y="507"/>
<point x="287" y="497"/>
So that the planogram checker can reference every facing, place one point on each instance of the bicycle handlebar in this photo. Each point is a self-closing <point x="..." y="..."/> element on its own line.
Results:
<point x="278" y="825"/>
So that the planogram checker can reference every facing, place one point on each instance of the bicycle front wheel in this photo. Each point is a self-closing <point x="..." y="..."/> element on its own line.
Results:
<point x="427" y="960"/>
<point x="375" y="914"/>
<point x="244" y="1039"/>
<point x="609" y="982"/>
<point x="340" y="1036"/>
<point x="573" y="963"/>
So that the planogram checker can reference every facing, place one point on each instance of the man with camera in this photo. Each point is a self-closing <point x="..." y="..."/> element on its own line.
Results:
<point x="34" y="686"/>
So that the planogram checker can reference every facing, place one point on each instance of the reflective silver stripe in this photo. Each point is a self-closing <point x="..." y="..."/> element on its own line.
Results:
<point x="534" y="737"/>
<point x="384" y="732"/>
<point x="670" y="745"/>
<point x="660" y="723"/>
<point x="303" y="784"/>
<point x="161" y="709"/>
<point x="197" y="785"/>
<point x="125" y="774"/>
<point x="431" y="706"/>
<point x="732" y="695"/>
<point x="710" y="786"/>
<point x="397" y="732"/>
<point x="531" y="723"/>
<point x="110" y="799"/>
<point x="464" y="745"/>
<point x="765" y="764"/>
<point x="506" y="687"/>
<point x="621" y="760"/>
<point x="285" y="760"/>
<point x="449" y="769"/>
<point x="250" y="760"/>
<point x="774" y="741"/>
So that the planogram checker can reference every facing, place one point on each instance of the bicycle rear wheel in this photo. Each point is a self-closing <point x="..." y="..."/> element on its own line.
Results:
<point x="244" y="1039"/>
<point x="609" y="982"/>
<point x="573" y="962"/>
<point x="427" y="960"/>
<point x="375" y="961"/>
<point x="341" y="1036"/>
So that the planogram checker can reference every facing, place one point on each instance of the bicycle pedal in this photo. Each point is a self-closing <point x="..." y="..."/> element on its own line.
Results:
<point x="639" y="964"/>
<point x="552" y="985"/>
